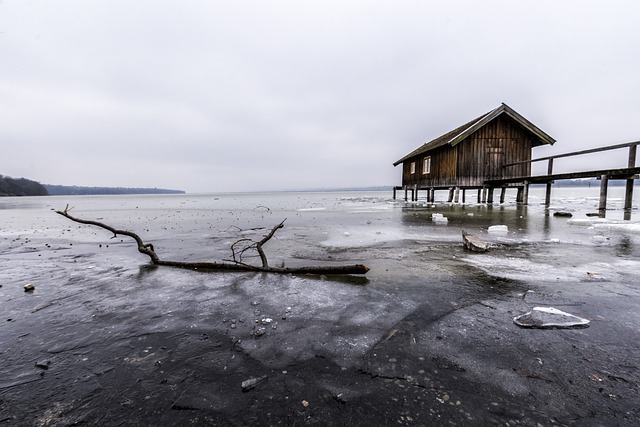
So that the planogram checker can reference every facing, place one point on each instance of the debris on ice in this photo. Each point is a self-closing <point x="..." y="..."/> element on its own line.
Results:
<point x="550" y="318"/>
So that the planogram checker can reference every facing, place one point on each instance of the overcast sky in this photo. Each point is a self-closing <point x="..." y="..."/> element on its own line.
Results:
<point x="209" y="96"/>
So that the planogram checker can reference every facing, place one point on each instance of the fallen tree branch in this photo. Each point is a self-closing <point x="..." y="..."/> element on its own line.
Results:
<point x="235" y="265"/>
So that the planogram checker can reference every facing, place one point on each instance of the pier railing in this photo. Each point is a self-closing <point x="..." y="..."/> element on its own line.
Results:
<point x="629" y="173"/>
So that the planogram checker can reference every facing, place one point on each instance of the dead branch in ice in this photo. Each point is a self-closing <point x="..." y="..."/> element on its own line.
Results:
<point x="237" y="251"/>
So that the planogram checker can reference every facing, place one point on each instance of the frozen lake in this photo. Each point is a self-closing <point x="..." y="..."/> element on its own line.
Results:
<point x="365" y="226"/>
<point x="94" y="294"/>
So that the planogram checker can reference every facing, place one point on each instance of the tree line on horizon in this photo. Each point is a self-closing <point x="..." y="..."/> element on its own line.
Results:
<point x="21" y="187"/>
<point x="27" y="187"/>
<point x="74" y="190"/>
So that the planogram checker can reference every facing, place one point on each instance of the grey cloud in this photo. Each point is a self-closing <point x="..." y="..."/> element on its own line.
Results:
<point x="222" y="96"/>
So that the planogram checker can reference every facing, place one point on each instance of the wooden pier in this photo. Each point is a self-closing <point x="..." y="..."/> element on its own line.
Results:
<point x="485" y="193"/>
<point x="629" y="173"/>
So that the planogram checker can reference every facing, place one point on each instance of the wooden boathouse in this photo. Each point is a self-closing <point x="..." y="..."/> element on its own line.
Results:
<point x="494" y="146"/>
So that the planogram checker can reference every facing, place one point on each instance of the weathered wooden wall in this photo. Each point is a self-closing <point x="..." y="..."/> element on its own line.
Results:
<point x="482" y="155"/>
<point x="476" y="159"/>
<point x="443" y="169"/>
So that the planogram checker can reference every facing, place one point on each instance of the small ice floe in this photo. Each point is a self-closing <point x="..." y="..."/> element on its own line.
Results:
<point x="251" y="383"/>
<point x="474" y="243"/>
<point x="586" y="221"/>
<point x="498" y="229"/>
<point x="626" y="226"/>
<point x="438" y="218"/>
<point x="550" y="318"/>
<point x="311" y="209"/>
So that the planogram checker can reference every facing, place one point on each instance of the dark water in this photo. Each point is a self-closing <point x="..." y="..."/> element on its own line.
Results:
<point x="100" y="316"/>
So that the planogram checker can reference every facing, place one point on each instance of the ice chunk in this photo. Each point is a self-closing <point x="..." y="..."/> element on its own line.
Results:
<point x="549" y="318"/>
<point x="438" y="218"/>
<point x="311" y="209"/>
<point x="585" y="222"/>
<point x="632" y="227"/>
<point x="498" y="229"/>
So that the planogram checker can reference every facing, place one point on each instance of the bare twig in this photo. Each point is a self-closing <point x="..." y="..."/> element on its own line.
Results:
<point x="236" y="265"/>
<point x="145" y="248"/>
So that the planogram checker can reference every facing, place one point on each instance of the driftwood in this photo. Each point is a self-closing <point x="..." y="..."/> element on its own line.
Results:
<point x="234" y="265"/>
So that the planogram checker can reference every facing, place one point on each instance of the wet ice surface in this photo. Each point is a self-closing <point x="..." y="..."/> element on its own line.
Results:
<point x="428" y="315"/>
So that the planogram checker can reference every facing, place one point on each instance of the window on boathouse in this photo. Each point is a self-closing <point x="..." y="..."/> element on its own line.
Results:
<point x="426" y="166"/>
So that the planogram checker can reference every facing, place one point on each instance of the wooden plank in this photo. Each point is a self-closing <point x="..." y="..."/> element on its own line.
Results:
<point x="576" y="153"/>
<point x="620" y="173"/>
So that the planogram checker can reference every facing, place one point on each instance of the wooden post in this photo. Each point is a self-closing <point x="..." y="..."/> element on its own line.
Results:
<point x="416" y="194"/>
<point x="547" y="198"/>
<point x="628" y="194"/>
<point x="464" y="198"/>
<point x="479" y="195"/>
<point x="525" y="194"/>
<point x="502" y="194"/>
<point x="490" y="195"/>
<point x="432" y="194"/>
<point x="394" y="193"/>
<point x="456" y="197"/>
<point x="519" y="195"/>
<point x="450" y="195"/>
<point x="484" y="195"/>
<point x="406" y="190"/>
<point x="604" y="183"/>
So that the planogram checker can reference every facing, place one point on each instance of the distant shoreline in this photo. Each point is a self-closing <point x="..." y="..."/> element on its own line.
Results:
<point x="74" y="190"/>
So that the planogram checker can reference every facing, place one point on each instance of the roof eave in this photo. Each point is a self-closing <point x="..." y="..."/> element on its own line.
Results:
<point x="542" y="137"/>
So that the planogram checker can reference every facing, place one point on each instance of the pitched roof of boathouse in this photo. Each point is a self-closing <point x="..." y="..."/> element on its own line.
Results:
<point x="461" y="133"/>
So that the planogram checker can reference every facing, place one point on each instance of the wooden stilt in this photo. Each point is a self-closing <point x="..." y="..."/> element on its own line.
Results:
<point x="519" y="195"/>
<point x="628" y="194"/>
<point x="464" y="198"/>
<point x="479" y="195"/>
<point x="406" y="191"/>
<point x="604" y="184"/>
<point x="484" y="195"/>
<point x="450" y="195"/>
<point x="394" y="193"/>
<point x="456" y="197"/>
<point x="547" y="197"/>
<point x="503" y="192"/>
<point x="490" y="195"/>
<point x="525" y="194"/>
